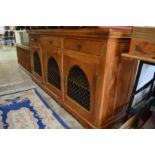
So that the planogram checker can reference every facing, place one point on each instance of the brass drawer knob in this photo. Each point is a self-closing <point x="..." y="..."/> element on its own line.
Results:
<point x="51" y="42"/>
<point x="34" y="40"/>
<point x="78" y="46"/>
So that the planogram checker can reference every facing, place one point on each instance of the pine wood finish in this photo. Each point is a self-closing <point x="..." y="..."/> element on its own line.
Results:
<point x="95" y="79"/>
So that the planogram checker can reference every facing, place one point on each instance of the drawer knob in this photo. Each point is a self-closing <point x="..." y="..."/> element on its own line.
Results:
<point x="50" y="42"/>
<point x="33" y="39"/>
<point x="78" y="46"/>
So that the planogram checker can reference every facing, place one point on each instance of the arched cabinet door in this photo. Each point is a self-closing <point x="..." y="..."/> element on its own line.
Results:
<point x="36" y="63"/>
<point x="79" y="86"/>
<point x="53" y="71"/>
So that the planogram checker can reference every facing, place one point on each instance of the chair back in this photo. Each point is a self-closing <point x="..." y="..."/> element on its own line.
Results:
<point x="11" y="34"/>
<point x="6" y="34"/>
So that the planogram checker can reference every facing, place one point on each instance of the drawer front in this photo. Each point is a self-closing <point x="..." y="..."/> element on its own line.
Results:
<point x="142" y="48"/>
<point x="52" y="41"/>
<point x="35" y="39"/>
<point x="86" y="46"/>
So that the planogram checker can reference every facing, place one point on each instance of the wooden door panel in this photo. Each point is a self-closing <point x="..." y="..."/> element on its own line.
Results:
<point x="37" y="63"/>
<point x="79" y="78"/>
<point x="53" y="71"/>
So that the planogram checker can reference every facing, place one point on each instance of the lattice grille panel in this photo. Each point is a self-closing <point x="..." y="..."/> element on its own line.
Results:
<point x="54" y="73"/>
<point x="78" y="87"/>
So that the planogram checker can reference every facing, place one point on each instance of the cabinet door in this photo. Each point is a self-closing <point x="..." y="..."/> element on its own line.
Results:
<point x="36" y="62"/>
<point x="79" y="85"/>
<point x="53" y="71"/>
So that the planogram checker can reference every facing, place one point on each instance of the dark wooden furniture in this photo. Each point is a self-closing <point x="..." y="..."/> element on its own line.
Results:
<point x="83" y="70"/>
<point x="23" y="55"/>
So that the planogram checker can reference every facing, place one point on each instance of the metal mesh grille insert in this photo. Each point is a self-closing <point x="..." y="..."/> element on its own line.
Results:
<point x="54" y="73"/>
<point x="37" y="64"/>
<point x="78" y="87"/>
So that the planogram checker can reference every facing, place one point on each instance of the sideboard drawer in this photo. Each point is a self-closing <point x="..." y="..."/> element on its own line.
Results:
<point x="86" y="46"/>
<point x="52" y="41"/>
<point x="35" y="39"/>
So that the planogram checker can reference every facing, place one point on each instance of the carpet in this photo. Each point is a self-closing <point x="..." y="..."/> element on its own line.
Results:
<point x="28" y="110"/>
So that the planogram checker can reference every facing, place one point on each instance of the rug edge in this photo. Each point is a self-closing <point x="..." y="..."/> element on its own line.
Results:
<point x="61" y="121"/>
<point x="54" y="113"/>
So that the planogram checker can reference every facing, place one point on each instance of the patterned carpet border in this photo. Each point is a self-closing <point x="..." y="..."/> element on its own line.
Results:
<point x="45" y="103"/>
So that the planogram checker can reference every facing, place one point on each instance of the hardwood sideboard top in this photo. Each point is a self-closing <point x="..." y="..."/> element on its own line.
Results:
<point x="104" y="32"/>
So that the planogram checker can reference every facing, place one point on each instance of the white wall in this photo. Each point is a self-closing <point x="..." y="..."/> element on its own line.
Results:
<point x="2" y="29"/>
<point x="146" y="75"/>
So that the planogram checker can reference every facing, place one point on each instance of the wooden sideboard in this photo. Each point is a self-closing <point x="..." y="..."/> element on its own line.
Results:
<point x="23" y="55"/>
<point x="83" y="70"/>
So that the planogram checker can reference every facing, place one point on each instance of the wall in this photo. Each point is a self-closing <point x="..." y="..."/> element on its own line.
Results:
<point x="2" y="29"/>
